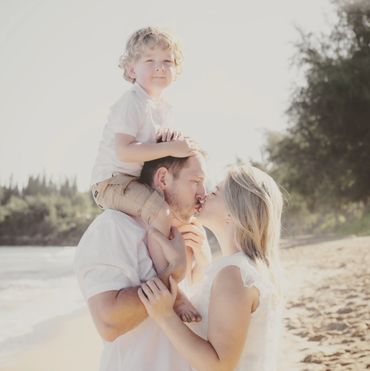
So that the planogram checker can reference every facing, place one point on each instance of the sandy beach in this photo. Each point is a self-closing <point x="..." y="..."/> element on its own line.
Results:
<point x="327" y="318"/>
<point x="69" y="344"/>
<point x="326" y="323"/>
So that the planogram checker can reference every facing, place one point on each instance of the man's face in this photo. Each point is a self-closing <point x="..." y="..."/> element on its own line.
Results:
<point x="185" y="193"/>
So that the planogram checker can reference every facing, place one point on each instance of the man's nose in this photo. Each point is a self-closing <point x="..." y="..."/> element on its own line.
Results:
<point x="202" y="191"/>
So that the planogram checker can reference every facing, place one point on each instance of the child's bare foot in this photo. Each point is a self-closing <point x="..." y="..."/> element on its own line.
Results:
<point x="185" y="309"/>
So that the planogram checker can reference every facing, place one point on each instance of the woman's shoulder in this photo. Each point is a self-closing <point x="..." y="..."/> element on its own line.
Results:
<point x="229" y="287"/>
<point x="240" y="269"/>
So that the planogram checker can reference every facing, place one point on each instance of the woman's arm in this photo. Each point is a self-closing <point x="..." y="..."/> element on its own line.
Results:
<point x="229" y="316"/>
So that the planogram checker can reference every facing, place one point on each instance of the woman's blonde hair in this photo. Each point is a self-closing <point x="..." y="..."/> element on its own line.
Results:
<point x="255" y="204"/>
<point x="149" y="37"/>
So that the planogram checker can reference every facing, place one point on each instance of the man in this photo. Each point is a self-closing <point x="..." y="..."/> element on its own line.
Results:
<point x="112" y="260"/>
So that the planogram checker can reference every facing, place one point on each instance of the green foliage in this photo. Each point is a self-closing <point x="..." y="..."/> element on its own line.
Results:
<point x="325" y="156"/>
<point x="359" y="226"/>
<point x="323" y="160"/>
<point x="44" y="213"/>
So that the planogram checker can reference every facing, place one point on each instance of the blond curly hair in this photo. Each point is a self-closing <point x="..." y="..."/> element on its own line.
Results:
<point x="149" y="37"/>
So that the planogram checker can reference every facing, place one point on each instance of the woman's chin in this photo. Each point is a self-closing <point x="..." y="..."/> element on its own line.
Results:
<point x="203" y="216"/>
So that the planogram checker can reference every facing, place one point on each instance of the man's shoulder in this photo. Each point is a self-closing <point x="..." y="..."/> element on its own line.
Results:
<point x="113" y="225"/>
<point x="120" y="220"/>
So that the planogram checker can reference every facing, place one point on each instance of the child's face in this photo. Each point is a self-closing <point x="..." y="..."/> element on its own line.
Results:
<point x="154" y="70"/>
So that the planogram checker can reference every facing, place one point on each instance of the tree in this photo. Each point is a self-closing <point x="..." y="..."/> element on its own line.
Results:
<point x="325" y="154"/>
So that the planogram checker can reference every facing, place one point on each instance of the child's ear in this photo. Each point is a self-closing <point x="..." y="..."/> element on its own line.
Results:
<point x="131" y="71"/>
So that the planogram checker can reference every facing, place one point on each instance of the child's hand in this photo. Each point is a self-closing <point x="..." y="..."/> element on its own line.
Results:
<point x="182" y="148"/>
<point x="167" y="135"/>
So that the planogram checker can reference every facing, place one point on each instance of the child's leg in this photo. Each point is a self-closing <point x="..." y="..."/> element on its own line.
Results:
<point x="185" y="309"/>
<point x="156" y="253"/>
<point x="161" y="254"/>
<point x="124" y="193"/>
<point x="183" y="306"/>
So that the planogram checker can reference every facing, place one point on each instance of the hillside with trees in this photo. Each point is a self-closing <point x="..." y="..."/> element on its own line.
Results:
<point x="323" y="159"/>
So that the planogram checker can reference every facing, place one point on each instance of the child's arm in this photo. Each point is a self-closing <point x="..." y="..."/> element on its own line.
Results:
<point x="129" y="150"/>
<point x="163" y="251"/>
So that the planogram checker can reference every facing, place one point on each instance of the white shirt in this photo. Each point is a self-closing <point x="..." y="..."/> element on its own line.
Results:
<point x="261" y="346"/>
<point x="135" y="114"/>
<point x="110" y="256"/>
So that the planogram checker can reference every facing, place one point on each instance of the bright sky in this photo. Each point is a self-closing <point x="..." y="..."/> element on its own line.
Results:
<point x="59" y="75"/>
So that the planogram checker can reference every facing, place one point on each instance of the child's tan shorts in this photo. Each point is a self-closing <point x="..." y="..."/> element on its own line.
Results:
<point x="123" y="192"/>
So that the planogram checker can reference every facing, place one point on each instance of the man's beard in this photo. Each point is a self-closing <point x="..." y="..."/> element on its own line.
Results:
<point x="182" y="213"/>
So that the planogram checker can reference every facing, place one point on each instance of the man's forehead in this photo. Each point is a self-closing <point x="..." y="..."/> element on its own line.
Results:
<point x="195" y="166"/>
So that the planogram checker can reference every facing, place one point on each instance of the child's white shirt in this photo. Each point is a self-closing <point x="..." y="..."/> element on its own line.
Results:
<point x="136" y="114"/>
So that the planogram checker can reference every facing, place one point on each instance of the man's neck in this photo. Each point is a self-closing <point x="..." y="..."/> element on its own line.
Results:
<point x="177" y="222"/>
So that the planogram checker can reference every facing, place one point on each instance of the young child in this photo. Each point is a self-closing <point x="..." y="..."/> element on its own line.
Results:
<point x="151" y="62"/>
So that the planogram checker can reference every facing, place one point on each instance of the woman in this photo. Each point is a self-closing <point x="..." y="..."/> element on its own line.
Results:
<point x="239" y="296"/>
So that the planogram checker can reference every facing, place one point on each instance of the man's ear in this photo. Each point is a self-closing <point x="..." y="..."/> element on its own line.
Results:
<point x="161" y="178"/>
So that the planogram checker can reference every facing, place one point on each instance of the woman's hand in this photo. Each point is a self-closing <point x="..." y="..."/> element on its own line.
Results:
<point x="195" y="239"/>
<point x="157" y="299"/>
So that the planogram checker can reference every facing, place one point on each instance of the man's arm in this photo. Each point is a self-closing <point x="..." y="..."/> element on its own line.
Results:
<point x="117" y="312"/>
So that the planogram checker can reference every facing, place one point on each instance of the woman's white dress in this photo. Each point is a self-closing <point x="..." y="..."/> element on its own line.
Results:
<point x="261" y="347"/>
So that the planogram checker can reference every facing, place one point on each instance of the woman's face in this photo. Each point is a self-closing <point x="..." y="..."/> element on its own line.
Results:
<point x="215" y="211"/>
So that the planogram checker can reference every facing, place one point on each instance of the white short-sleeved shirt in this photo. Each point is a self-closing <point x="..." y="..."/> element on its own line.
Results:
<point x="136" y="114"/>
<point x="110" y="256"/>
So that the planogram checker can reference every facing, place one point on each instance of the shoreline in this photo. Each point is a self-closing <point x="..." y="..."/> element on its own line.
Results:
<point x="326" y="321"/>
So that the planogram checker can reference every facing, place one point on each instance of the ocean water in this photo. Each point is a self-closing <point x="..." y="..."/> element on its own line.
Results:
<point x="36" y="285"/>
